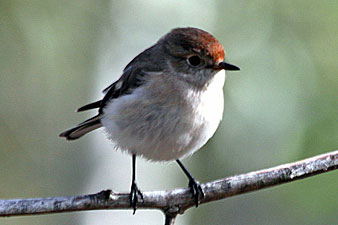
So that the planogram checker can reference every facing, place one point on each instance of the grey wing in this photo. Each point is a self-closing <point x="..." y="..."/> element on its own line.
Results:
<point x="132" y="77"/>
<point x="129" y="80"/>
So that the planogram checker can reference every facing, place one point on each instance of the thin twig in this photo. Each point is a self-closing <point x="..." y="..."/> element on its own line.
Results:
<point x="178" y="200"/>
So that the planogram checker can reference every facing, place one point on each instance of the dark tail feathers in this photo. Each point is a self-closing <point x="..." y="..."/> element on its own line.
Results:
<point x="82" y="128"/>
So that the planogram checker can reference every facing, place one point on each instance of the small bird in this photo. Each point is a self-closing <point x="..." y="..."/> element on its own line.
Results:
<point x="166" y="105"/>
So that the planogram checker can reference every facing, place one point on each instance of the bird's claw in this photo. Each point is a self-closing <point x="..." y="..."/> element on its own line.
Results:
<point x="196" y="190"/>
<point x="134" y="196"/>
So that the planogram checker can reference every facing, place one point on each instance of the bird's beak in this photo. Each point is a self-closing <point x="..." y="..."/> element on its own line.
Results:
<point x="226" y="66"/>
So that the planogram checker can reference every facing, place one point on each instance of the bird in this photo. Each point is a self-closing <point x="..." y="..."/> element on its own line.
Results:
<point x="166" y="105"/>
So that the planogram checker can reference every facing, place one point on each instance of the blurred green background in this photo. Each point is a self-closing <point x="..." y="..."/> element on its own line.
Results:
<point x="282" y="106"/>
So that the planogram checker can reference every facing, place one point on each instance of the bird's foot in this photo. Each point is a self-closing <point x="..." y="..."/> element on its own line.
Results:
<point x="196" y="190"/>
<point x="134" y="196"/>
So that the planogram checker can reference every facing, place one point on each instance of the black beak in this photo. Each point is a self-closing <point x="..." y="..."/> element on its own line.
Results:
<point x="226" y="66"/>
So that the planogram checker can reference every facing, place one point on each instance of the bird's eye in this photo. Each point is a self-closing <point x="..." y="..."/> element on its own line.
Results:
<point x="194" y="60"/>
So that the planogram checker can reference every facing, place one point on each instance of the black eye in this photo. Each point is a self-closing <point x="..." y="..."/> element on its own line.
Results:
<point x="194" y="60"/>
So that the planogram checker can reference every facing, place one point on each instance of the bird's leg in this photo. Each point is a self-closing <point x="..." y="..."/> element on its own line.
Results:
<point x="135" y="193"/>
<point x="195" y="187"/>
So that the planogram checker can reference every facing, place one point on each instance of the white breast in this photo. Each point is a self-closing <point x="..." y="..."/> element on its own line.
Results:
<point x="161" y="123"/>
<point x="209" y="111"/>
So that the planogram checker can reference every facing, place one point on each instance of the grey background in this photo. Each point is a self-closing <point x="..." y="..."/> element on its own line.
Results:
<point x="282" y="106"/>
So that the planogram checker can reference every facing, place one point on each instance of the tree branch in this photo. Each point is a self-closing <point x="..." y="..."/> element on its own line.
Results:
<point x="178" y="200"/>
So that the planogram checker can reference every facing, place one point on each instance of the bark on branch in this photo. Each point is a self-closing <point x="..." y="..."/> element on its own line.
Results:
<point x="176" y="201"/>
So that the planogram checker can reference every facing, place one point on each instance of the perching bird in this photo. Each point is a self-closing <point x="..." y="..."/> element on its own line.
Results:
<point x="166" y="105"/>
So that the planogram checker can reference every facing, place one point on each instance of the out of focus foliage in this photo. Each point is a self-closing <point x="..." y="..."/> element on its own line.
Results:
<point x="282" y="106"/>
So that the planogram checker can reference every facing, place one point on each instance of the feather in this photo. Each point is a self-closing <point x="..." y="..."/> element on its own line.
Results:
<point x="92" y="105"/>
<point x="83" y="128"/>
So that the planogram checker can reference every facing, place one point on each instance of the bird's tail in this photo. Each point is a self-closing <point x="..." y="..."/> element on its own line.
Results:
<point x="82" y="128"/>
